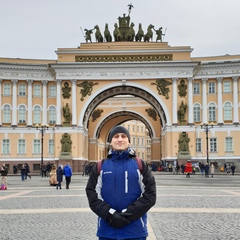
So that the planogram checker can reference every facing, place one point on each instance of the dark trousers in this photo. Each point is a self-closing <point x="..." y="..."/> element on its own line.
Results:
<point x="59" y="185"/>
<point x="68" y="180"/>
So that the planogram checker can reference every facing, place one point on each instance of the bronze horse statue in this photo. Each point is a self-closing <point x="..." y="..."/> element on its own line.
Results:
<point x="149" y="33"/>
<point x="140" y="33"/>
<point x="131" y="33"/>
<point x="107" y="34"/>
<point x="98" y="35"/>
<point x="117" y="34"/>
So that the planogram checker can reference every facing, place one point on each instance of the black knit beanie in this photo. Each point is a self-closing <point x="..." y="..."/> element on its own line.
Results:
<point x="119" y="129"/>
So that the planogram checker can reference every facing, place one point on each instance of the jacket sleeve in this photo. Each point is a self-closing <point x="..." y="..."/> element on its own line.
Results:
<point x="96" y="204"/>
<point x="148" y="198"/>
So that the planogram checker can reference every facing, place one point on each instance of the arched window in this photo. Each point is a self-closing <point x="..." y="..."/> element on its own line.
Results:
<point x="22" y="114"/>
<point x="7" y="114"/>
<point x="52" y="115"/>
<point x="211" y="112"/>
<point x="196" y="112"/>
<point x="36" y="115"/>
<point x="227" y="108"/>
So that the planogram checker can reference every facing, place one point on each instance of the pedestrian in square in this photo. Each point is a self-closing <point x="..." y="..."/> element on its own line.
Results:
<point x="121" y="191"/>
<point x="67" y="171"/>
<point x="4" y="173"/>
<point x="59" y="176"/>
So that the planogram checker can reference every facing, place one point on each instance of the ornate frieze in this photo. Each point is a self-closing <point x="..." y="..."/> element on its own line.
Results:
<point x="125" y="58"/>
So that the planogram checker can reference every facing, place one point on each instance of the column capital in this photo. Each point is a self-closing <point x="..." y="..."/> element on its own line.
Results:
<point x="204" y="80"/>
<point x="59" y="80"/>
<point x="44" y="82"/>
<point x="29" y="81"/>
<point x="14" y="81"/>
<point x="235" y="78"/>
<point x="174" y="80"/>
<point x="219" y="79"/>
<point x="190" y="79"/>
<point x="73" y="80"/>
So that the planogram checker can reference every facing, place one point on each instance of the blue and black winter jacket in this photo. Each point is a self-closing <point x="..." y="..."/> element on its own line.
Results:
<point x="122" y="187"/>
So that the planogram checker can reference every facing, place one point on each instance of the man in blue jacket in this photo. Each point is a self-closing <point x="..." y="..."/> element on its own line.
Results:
<point x="67" y="171"/>
<point x="121" y="191"/>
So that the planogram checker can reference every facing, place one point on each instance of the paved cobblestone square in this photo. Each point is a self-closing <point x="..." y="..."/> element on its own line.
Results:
<point x="196" y="208"/>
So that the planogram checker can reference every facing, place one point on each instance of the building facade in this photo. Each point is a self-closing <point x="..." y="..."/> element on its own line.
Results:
<point x="82" y="94"/>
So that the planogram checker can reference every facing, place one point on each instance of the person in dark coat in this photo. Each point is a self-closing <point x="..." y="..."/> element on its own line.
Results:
<point x="27" y="171"/>
<point x="23" y="172"/>
<point x="233" y="169"/>
<point x="59" y="176"/>
<point x="43" y="170"/>
<point x="206" y="170"/>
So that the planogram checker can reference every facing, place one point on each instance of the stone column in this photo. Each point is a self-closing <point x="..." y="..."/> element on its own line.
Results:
<point x="190" y="101"/>
<point x="74" y="102"/>
<point x="44" y="103"/>
<point x="220" y="108"/>
<point x="204" y="100"/>
<point x="14" y="102"/>
<point x="235" y="100"/>
<point x="30" y="110"/>
<point x="174" y="102"/>
<point x="59" y="103"/>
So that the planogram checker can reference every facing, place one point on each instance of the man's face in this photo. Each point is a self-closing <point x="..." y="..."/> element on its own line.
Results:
<point x="120" y="141"/>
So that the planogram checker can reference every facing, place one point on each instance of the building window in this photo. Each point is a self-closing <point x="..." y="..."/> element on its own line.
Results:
<point x="196" y="112"/>
<point x="227" y="87"/>
<point x="37" y="90"/>
<point x="137" y="128"/>
<point x="36" y="146"/>
<point x="134" y="141"/>
<point x="229" y="144"/>
<point x="143" y="156"/>
<point x="138" y="141"/>
<point x="212" y="112"/>
<point x="6" y="89"/>
<point x="7" y="114"/>
<point x="52" y="115"/>
<point x="196" y="88"/>
<point x="22" y="90"/>
<point x="198" y="145"/>
<point x="211" y="87"/>
<point x="21" y="146"/>
<point x="227" y="109"/>
<point x="21" y="114"/>
<point x="213" y="145"/>
<point x="5" y="146"/>
<point x="52" y="91"/>
<point x="37" y="114"/>
<point x="128" y="127"/>
<point x="142" y="129"/>
<point x="142" y="141"/>
<point x="51" y="146"/>
<point x="133" y="128"/>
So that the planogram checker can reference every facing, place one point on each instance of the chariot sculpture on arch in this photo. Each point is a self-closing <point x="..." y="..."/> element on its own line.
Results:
<point x="124" y="31"/>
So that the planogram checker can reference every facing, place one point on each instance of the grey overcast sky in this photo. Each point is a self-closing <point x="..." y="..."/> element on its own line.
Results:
<point x="36" y="28"/>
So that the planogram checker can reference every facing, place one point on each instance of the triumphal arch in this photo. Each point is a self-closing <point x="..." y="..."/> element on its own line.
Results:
<point x="115" y="77"/>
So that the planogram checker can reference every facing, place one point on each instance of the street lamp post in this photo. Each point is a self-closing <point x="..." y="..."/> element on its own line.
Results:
<point x="42" y="127"/>
<point x="207" y="127"/>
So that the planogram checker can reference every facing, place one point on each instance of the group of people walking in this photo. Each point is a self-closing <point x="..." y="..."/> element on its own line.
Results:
<point x="25" y="171"/>
<point x="204" y="168"/>
<point x="56" y="175"/>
